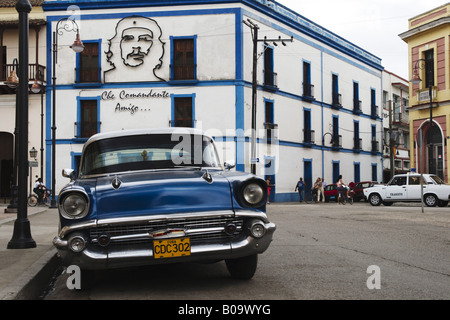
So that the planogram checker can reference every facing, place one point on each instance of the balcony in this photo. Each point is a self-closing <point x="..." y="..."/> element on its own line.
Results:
<point x="270" y="80"/>
<point x="337" y="101"/>
<point x="308" y="91"/>
<point x="374" y="111"/>
<point x="271" y="132"/>
<point x="375" y="147"/>
<point x="336" y="141"/>
<point x="357" y="107"/>
<point x="34" y="71"/>
<point x="309" y="137"/>
<point x="357" y="144"/>
<point x="401" y="118"/>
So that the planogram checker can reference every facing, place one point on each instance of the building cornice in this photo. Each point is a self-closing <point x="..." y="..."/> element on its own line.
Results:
<point x="270" y="8"/>
<point x="405" y="36"/>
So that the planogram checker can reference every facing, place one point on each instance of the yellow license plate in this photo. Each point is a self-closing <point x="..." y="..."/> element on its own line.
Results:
<point x="171" y="248"/>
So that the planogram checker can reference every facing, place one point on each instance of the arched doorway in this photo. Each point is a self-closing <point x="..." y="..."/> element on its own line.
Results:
<point x="435" y="156"/>
<point x="6" y="163"/>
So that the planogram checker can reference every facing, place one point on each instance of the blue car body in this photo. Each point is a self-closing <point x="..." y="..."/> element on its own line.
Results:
<point x="122" y="204"/>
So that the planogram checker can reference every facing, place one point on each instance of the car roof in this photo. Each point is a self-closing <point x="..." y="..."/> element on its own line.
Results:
<point x="135" y="132"/>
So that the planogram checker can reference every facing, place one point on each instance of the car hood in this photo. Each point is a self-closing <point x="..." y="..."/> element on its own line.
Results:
<point x="161" y="192"/>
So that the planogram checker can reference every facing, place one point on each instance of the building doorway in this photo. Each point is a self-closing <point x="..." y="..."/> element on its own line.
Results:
<point x="6" y="163"/>
<point x="434" y="152"/>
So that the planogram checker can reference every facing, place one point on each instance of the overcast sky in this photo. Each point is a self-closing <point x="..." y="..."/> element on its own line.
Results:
<point x="372" y="25"/>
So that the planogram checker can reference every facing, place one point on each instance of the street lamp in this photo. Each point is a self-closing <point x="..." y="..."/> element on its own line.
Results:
<point x="13" y="80"/>
<point x="21" y="238"/>
<point x="77" y="46"/>
<point x="415" y="80"/>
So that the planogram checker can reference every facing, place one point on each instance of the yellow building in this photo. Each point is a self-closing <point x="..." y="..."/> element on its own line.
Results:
<point x="428" y="39"/>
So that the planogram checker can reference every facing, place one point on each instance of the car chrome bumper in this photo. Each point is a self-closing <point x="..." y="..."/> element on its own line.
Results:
<point x="94" y="256"/>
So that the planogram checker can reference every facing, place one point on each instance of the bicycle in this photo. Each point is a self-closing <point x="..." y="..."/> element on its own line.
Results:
<point x="342" y="194"/>
<point x="33" y="199"/>
<point x="310" y="197"/>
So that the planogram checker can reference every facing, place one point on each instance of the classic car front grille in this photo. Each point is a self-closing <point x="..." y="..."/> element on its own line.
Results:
<point x="199" y="229"/>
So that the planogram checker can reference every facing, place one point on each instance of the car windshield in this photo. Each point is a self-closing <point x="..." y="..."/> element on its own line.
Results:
<point x="142" y="152"/>
<point x="437" y="179"/>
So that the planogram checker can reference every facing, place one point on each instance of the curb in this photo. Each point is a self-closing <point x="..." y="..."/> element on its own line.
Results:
<point x="32" y="283"/>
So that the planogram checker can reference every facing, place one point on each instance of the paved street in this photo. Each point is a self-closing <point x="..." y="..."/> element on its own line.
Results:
<point x="320" y="251"/>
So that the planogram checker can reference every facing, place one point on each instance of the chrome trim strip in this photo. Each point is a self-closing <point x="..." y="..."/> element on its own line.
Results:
<point x="156" y="218"/>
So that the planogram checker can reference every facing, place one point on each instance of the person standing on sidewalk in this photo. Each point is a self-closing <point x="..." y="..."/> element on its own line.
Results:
<point x="320" y="191"/>
<point x="300" y="187"/>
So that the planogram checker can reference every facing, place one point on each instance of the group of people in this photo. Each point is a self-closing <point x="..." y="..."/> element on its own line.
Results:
<point x="317" y="189"/>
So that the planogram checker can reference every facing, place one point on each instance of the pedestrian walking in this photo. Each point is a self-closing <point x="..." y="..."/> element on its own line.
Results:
<point x="300" y="187"/>
<point x="269" y="188"/>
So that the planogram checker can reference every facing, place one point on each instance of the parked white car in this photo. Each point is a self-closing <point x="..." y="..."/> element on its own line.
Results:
<point x="407" y="187"/>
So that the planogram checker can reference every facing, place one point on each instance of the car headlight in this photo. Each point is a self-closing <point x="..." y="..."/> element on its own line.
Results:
<point x="257" y="229"/>
<point x="74" y="206"/>
<point x="253" y="194"/>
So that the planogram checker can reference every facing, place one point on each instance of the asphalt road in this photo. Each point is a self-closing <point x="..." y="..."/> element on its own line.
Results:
<point x="320" y="251"/>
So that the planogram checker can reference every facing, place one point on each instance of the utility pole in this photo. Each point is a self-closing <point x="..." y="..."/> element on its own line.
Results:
<point x="254" y="29"/>
<point x="391" y="141"/>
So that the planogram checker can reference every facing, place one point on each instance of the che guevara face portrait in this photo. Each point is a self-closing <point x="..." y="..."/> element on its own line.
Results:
<point x="136" y="44"/>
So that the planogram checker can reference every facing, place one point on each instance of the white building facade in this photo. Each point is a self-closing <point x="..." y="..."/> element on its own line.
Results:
<point x="152" y="64"/>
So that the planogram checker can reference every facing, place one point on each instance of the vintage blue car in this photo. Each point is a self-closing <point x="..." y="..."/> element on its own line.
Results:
<point x="147" y="197"/>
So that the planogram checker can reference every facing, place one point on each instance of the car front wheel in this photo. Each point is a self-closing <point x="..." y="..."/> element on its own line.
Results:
<point x="242" y="268"/>
<point x="430" y="200"/>
<point x="375" y="199"/>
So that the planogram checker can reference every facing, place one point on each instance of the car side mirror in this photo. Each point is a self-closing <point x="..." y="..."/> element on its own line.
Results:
<point x="229" y="165"/>
<point x="68" y="173"/>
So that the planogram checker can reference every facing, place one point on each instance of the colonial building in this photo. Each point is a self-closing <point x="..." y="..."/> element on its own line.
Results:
<point x="149" y="64"/>
<point x="428" y="39"/>
<point x="9" y="65"/>
<point x="396" y="125"/>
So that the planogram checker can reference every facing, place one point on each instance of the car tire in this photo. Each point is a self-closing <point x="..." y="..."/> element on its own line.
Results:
<point x="242" y="268"/>
<point x="430" y="200"/>
<point x="88" y="279"/>
<point x="375" y="199"/>
<point x="442" y="203"/>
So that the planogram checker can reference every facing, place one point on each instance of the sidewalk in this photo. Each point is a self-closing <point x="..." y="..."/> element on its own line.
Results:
<point x="22" y="271"/>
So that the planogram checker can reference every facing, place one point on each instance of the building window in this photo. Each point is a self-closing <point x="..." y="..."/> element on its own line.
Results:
<point x="375" y="143"/>
<point x="337" y="138"/>
<point x="308" y="88"/>
<point x="183" y="59"/>
<point x="88" y="124"/>
<point x="336" y="97"/>
<point x="269" y="125"/>
<point x="357" y="140"/>
<point x="270" y="77"/>
<point x="357" y="172"/>
<point x="183" y="112"/>
<point x="356" y="102"/>
<point x="374" y="172"/>
<point x="308" y="134"/>
<point x="373" y="104"/>
<point x="89" y="63"/>
<point x="429" y="68"/>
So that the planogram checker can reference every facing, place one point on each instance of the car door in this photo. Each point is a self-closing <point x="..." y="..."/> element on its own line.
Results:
<point x="397" y="189"/>
<point x="413" y="189"/>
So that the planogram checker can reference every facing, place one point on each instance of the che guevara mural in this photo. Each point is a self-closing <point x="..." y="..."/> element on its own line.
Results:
<point x="136" y="51"/>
